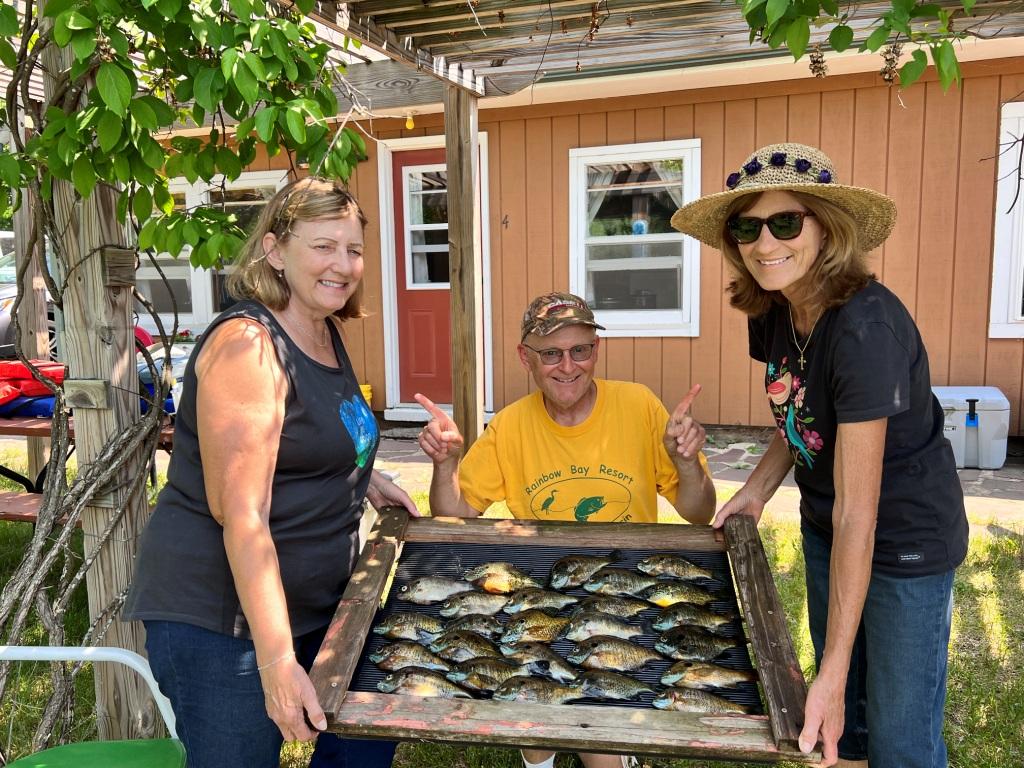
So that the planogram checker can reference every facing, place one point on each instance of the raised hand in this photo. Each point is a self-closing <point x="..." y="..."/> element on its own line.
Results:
<point x="684" y="435"/>
<point x="440" y="439"/>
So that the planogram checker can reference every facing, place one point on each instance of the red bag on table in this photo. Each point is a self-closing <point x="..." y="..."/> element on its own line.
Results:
<point x="14" y="373"/>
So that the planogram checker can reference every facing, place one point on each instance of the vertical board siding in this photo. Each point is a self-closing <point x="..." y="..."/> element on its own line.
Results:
<point x="932" y="151"/>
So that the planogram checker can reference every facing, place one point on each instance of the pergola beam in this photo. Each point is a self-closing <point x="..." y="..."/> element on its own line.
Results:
<point x="365" y="30"/>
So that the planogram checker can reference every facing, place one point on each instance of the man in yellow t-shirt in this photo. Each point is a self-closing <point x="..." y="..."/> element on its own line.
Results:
<point x="578" y="448"/>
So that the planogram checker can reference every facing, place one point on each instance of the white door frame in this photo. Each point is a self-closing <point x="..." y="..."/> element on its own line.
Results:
<point x="394" y="408"/>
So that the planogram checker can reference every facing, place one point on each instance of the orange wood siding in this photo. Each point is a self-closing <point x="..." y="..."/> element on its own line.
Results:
<point x="931" y="151"/>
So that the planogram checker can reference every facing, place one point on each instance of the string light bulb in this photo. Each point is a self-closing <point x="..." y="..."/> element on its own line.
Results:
<point x="409" y="122"/>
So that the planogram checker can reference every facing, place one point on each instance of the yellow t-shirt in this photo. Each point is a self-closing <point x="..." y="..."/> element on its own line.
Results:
<point x="608" y="469"/>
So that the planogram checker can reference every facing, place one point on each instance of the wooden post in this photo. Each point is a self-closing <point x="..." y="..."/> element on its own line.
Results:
<point x="35" y="340"/>
<point x="99" y="347"/>
<point x="464" y="260"/>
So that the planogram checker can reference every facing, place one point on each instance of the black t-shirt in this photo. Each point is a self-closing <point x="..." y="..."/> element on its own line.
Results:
<point x="863" y="361"/>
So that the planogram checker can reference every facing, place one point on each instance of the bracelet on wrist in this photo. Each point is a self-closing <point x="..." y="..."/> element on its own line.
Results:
<point x="278" y="660"/>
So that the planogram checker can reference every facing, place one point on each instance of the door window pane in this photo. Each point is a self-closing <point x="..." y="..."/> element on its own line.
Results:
<point x="426" y="225"/>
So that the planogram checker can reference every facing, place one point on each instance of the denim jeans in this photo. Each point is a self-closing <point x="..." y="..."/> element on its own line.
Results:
<point x="896" y="687"/>
<point x="215" y="691"/>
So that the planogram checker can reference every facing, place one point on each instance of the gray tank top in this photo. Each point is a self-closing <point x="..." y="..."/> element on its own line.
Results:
<point x="328" y="442"/>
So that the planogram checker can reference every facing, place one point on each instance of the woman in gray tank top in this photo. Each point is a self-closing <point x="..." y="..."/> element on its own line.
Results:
<point x="255" y="535"/>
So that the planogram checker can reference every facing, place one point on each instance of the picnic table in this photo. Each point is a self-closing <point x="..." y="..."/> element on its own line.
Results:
<point x="36" y="426"/>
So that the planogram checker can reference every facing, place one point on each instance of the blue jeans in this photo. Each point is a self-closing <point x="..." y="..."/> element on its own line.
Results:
<point x="215" y="691"/>
<point x="896" y="687"/>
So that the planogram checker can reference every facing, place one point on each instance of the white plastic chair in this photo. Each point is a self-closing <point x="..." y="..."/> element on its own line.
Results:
<point x="157" y="753"/>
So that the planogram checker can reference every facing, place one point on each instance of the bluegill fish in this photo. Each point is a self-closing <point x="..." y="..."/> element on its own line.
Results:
<point x="618" y="581"/>
<point x="681" y="614"/>
<point x="533" y="626"/>
<point x="472" y="602"/>
<point x="690" y="700"/>
<point x="534" y="689"/>
<point x="611" y="653"/>
<point x="601" y="684"/>
<point x="497" y="670"/>
<point x="541" y="659"/>
<point x="462" y="645"/>
<point x="408" y="625"/>
<point x="584" y="625"/>
<point x="676" y="566"/>
<point x="700" y="674"/>
<point x="573" y="570"/>
<point x="535" y="598"/>
<point x="668" y="593"/>
<point x="692" y="644"/>
<point x="488" y="626"/>
<point x="616" y="605"/>
<point x="475" y="681"/>
<point x="407" y="654"/>
<point x="431" y="589"/>
<point x="412" y="681"/>
<point x="500" y="578"/>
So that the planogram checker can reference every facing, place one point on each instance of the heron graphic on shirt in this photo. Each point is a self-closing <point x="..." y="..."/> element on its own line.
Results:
<point x="779" y="392"/>
<point x="549" y="500"/>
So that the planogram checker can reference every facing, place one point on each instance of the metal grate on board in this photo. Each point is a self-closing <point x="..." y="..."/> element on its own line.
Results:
<point x="451" y="560"/>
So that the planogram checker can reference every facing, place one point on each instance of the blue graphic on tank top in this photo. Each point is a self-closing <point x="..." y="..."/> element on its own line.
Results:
<point x="786" y="394"/>
<point x="361" y="426"/>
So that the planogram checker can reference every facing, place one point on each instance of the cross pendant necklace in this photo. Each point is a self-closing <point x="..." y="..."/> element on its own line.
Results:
<point x="807" y="341"/>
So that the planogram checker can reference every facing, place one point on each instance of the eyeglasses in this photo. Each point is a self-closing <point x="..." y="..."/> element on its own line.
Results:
<point x="783" y="226"/>
<point x="578" y="354"/>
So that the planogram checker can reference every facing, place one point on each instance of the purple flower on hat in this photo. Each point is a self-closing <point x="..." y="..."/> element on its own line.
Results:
<point x="778" y="159"/>
<point x="754" y="166"/>
<point x="824" y="177"/>
<point x="802" y="166"/>
<point x="733" y="180"/>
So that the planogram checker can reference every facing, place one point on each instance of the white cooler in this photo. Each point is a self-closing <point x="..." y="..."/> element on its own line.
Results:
<point x="977" y="423"/>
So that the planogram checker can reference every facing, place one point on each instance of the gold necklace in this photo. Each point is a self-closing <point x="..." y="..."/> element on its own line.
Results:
<point x="807" y="341"/>
<point x="309" y="335"/>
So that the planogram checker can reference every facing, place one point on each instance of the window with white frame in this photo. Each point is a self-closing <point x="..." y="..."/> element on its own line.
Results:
<point x="641" y="277"/>
<point x="1006" y="318"/>
<point x="200" y="293"/>
<point x="426" y="226"/>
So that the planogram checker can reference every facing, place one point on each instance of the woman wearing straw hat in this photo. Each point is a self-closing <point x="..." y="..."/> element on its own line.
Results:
<point x="882" y="515"/>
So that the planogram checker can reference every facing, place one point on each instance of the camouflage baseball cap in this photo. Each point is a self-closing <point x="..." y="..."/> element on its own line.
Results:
<point x="547" y="313"/>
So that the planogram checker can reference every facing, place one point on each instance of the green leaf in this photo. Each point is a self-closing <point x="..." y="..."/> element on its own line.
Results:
<point x="153" y="155"/>
<point x="969" y="6"/>
<point x="114" y="86"/>
<point x="242" y="9"/>
<point x="913" y="69"/>
<point x="83" y="176"/>
<point x="143" y="114"/>
<point x="876" y="39"/>
<point x="146" y="234"/>
<point x="840" y="38"/>
<point x="56" y="7"/>
<point x="946" y="64"/>
<point x="296" y="124"/>
<point x="776" y="9"/>
<point x="8" y="21"/>
<point x="207" y="90"/>
<point x="142" y="204"/>
<point x="290" y="31"/>
<point x="7" y="55"/>
<point x="109" y="131"/>
<point x="168" y="8"/>
<point x="122" y="167"/>
<point x="798" y="36"/>
<point x="265" y="119"/>
<point x="10" y="171"/>
<point x="358" y="142"/>
<point x="229" y="63"/>
<point x="162" y="198"/>
<point x="83" y="44"/>
<point x="926" y="10"/>
<point x="164" y="113"/>
<point x="246" y="84"/>
<point x="255" y="65"/>
<point x="831" y="7"/>
<point x="61" y="32"/>
<point x="306" y="6"/>
<point x="75" y="20"/>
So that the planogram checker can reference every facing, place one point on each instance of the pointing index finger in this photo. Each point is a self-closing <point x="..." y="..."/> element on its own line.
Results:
<point x="684" y="404"/>
<point x="429" y="407"/>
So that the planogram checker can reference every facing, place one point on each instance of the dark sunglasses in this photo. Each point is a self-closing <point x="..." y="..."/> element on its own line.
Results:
<point x="783" y="226"/>
<point x="579" y="354"/>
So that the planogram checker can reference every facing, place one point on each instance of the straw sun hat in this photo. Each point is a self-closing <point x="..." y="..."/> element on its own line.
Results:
<point x="789" y="168"/>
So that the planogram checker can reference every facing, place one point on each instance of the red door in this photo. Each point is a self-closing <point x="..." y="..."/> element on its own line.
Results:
<point x="421" y="253"/>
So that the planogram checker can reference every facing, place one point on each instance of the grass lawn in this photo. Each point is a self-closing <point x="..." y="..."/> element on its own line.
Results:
<point x="985" y="713"/>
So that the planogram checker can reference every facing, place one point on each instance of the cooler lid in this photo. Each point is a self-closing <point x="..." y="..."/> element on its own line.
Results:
<point x="955" y="398"/>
